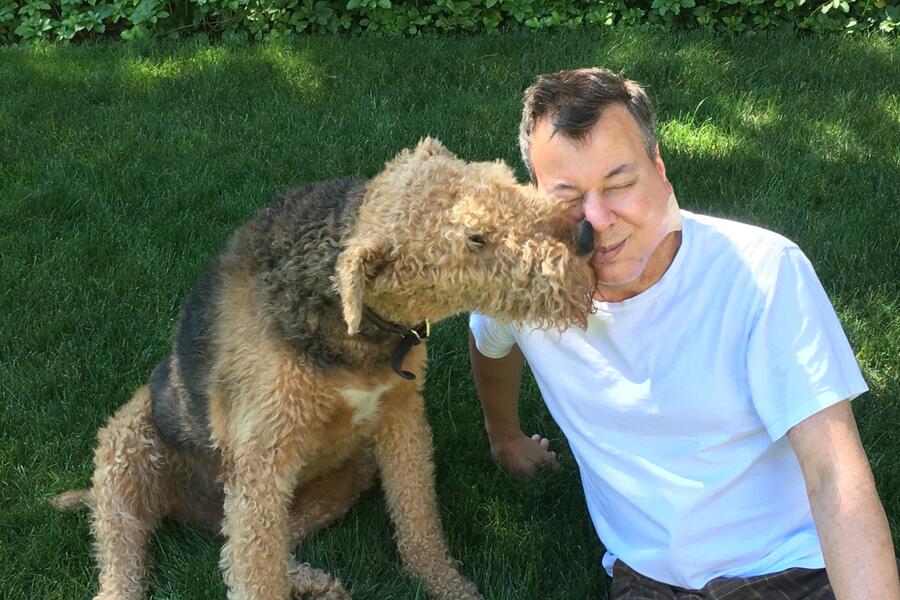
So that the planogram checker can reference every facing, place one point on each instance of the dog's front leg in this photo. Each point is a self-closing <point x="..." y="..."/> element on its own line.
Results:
<point x="403" y="451"/>
<point x="255" y="556"/>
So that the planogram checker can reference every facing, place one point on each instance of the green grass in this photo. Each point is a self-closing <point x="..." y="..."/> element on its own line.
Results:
<point x="123" y="168"/>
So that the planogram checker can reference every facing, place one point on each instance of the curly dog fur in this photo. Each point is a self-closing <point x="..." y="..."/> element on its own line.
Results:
<point x="277" y="406"/>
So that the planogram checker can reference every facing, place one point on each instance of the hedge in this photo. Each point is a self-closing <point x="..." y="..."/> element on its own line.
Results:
<point x="242" y="20"/>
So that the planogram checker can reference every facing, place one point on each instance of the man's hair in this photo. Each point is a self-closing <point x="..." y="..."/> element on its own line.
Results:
<point x="574" y="100"/>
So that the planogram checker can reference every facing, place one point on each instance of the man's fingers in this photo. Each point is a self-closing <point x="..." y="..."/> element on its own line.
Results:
<point x="554" y="462"/>
<point x="550" y="458"/>
<point x="525" y="457"/>
<point x="542" y="441"/>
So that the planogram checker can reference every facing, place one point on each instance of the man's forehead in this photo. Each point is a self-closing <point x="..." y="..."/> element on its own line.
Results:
<point x="607" y="151"/>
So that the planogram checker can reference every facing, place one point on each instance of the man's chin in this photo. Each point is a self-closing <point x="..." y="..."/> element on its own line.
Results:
<point x="615" y="287"/>
<point x="615" y="280"/>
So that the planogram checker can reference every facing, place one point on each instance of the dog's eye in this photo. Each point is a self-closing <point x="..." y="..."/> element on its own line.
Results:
<point x="476" y="241"/>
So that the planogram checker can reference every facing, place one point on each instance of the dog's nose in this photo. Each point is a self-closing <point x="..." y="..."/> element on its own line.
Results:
<point x="584" y="237"/>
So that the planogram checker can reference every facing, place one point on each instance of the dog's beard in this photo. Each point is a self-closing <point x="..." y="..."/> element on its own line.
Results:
<point x="556" y="293"/>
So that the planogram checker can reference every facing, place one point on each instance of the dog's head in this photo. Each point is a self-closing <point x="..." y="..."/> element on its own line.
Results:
<point x="436" y="236"/>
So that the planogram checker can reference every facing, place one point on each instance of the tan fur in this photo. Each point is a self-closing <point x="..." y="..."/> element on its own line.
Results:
<point x="292" y="445"/>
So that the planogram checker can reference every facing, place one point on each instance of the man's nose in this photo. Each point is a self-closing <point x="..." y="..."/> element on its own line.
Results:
<point x="597" y="211"/>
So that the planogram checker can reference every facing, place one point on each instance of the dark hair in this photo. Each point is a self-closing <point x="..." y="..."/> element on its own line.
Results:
<point x="575" y="100"/>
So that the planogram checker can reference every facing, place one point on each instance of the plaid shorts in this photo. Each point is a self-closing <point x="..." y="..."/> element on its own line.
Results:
<point x="792" y="584"/>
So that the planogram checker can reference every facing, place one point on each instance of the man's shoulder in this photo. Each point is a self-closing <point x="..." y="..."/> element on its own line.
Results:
<point x="742" y="241"/>
<point x="736" y="232"/>
<point x="725" y="250"/>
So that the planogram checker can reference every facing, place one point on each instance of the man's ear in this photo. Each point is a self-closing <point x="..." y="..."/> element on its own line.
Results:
<point x="355" y="267"/>
<point x="658" y="163"/>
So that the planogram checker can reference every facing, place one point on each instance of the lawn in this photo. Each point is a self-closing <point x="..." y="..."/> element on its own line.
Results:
<point x="124" y="168"/>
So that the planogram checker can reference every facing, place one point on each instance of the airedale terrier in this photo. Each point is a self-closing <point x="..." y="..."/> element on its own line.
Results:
<point x="296" y="372"/>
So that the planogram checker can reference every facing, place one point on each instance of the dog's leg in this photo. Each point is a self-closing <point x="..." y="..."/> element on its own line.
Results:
<point x="316" y="504"/>
<point x="258" y="489"/>
<point x="257" y="519"/>
<point x="129" y="496"/>
<point x="327" y="498"/>
<point x="403" y="452"/>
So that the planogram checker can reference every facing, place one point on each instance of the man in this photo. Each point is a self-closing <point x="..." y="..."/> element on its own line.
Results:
<point x="707" y="403"/>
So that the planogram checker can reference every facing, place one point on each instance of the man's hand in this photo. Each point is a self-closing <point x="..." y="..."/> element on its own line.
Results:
<point x="497" y="381"/>
<point x="524" y="456"/>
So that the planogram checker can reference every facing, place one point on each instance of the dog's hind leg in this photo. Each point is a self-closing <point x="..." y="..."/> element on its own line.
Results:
<point x="73" y="500"/>
<point x="327" y="498"/>
<point x="129" y="497"/>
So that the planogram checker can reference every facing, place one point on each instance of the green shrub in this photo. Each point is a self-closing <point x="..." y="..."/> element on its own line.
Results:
<point x="241" y="20"/>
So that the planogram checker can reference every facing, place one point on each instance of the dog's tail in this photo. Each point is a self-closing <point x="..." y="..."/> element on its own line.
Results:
<point x="73" y="499"/>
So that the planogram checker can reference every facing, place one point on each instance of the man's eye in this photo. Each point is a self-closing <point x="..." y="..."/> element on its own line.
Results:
<point x="619" y="187"/>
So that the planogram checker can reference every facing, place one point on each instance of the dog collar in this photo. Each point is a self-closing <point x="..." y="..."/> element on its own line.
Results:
<point x="409" y="337"/>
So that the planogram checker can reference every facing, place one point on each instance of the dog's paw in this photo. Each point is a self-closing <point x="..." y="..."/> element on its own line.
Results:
<point x="468" y="591"/>
<point x="308" y="583"/>
<point x="336" y="593"/>
<point x="454" y="587"/>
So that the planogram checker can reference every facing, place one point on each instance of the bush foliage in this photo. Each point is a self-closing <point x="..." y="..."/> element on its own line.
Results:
<point x="241" y="20"/>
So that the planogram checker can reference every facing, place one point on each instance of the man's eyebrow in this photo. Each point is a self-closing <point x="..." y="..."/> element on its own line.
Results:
<point x="563" y="187"/>
<point x="623" y="168"/>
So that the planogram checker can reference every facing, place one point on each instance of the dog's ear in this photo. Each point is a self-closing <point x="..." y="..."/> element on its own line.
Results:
<point x="429" y="147"/>
<point x="355" y="268"/>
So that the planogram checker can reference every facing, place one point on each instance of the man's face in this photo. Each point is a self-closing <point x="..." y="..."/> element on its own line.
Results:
<point x="615" y="186"/>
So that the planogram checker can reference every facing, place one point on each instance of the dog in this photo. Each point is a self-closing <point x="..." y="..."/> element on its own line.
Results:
<point x="296" y="370"/>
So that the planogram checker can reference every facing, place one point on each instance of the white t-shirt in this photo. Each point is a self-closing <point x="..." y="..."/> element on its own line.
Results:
<point x="676" y="402"/>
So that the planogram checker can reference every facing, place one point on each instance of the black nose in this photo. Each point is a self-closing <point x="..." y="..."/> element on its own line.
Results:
<point x="584" y="237"/>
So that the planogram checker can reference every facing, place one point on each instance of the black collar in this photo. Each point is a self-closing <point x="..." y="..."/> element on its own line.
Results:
<point x="411" y="336"/>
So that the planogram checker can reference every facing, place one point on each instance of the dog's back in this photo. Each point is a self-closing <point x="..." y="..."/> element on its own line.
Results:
<point x="288" y="251"/>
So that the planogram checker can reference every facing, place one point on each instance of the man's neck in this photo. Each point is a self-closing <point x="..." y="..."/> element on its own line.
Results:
<point x="659" y="263"/>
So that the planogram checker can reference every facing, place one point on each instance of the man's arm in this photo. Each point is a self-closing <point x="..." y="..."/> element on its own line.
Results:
<point x="497" y="381"/>
<point x="849" y="517"/>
